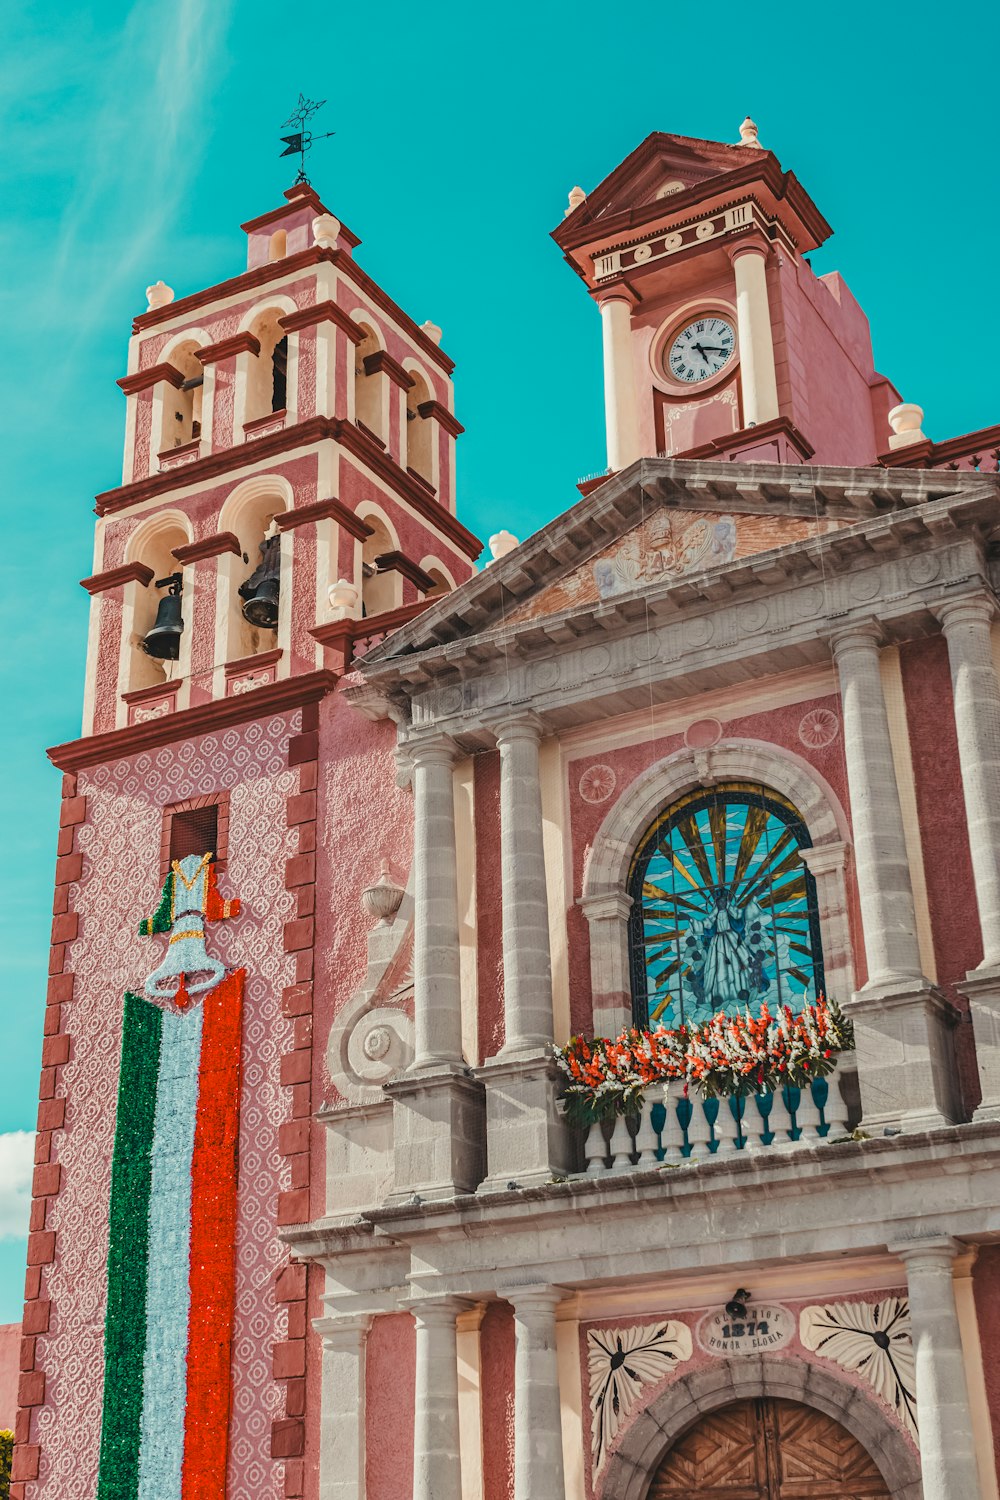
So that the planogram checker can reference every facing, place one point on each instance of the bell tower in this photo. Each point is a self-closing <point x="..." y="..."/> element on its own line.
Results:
<point x="717" y="335"/>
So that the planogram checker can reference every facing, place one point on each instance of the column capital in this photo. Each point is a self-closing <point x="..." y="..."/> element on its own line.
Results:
<point x="823" y="859"/>
<point x="536" y="1296"/>
<point x="344" y="1334"/>
<point x="932" y="1249"/>
<point x="752" y="243"/>
<point x="517" y="724"/>
<point x="431" y="750"/>
<point x="602" y="906"/>
<point x="967" y="609"/>
<point x="860" y="635"/>
<point x="437" y="1312"/>
<point x="618" y="294"/>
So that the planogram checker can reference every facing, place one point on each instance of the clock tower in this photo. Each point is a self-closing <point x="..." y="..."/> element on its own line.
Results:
<point x="719" y="340"/>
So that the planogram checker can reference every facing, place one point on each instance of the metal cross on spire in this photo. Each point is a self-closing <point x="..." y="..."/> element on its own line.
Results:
<point x="302" y="140"/>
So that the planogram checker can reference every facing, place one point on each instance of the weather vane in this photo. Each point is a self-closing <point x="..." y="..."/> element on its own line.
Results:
<point x="302" y="140"/>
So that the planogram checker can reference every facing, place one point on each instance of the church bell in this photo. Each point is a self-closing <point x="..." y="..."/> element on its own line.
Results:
<point x="260" y="591"/>
<point x="164" y="640"/>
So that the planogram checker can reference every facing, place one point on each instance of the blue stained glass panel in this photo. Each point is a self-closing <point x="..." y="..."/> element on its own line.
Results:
<point x="724" y="909"/>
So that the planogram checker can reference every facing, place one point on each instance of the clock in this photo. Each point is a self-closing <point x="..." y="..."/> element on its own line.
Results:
<point x="701" y="350"/>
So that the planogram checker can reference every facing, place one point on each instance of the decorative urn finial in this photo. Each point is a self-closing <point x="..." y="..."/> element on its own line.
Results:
<point x="576" y="197"/>
<point x="383" y="898"/>
<point x="325" y="230"/>
<point x="502" y="542"/>
<point x="748" y="134"/>
<point x="342" y="598"/>
<point x="158" y="295"/>
<point x="432" y="331"/>
<point x="906" y="422"/>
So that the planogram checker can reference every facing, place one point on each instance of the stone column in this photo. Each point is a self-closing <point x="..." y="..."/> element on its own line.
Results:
<point x="607" y="914"/>
<point x="437" y="1462"/>
<point x="437" y="985"/>
<point x="527" y="1141"/>
<point x="342" y="1408"/>
<point x="438" y="1129"/>
<point x="620" y="411"/>
<point x="526" y="963"/>
<point x="758" y="382"/>
<point x="944" y="1417"/>
<point x="538" y="1456"/>
<point x="966" y="623"/>
<point x="904" y="1055"/>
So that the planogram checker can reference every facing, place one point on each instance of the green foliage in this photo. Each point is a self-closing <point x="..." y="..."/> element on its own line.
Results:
<point x="6" y="1458"/>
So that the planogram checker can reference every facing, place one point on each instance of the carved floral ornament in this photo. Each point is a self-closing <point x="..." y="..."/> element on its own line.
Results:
<point x="621" y="1362"/>
<point x="872" y="1340"/>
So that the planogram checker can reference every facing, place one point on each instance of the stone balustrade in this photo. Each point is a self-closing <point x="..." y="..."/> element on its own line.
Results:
<point x="671" y="1130"/>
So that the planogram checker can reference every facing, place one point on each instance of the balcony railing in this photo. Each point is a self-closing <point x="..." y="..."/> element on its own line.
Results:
<point x="671" y="1129"/>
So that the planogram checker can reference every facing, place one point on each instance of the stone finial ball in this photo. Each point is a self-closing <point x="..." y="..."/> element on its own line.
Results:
<point x="325" y="229"/>
<point x="159" y="294"/>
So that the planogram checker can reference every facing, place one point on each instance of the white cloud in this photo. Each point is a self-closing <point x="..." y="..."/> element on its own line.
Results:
<point x="17" y="1151"/>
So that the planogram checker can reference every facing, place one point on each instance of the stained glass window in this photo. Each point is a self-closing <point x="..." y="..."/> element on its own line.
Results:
<point x="724" y="909"/>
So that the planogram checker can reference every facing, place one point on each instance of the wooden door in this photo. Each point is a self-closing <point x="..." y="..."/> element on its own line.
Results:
<point x="767" y="1450"/>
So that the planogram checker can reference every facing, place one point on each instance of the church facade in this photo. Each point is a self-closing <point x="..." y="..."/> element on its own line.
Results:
<point x="357" y="837"/>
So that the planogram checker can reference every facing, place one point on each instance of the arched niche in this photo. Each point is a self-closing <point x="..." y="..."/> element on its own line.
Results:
<point x="421" y="431"/>
<point x="180" y="414"/>
<point x="379" y="591"/>
<point x="277" y="246"/>
<point x="369" y="396"/>
<point x="152" y="544"/>
<point x="444" y="581"/>
<point x="267" y="372"/>
<point x="648" y="1438"/>
<point x="249" y="513"/>
<point x="605" y="898"/>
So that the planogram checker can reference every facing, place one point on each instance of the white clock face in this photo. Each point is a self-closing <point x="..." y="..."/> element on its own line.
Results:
<point x="701" y="350"/>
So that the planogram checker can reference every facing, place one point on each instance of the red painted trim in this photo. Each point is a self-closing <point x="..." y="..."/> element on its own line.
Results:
<point x="134" y="572"/>
<point x="322" y="312"/>
<point x="301" y="196"/>
<point x="158" y="690"/>
<point x="748" y="437"/>
<point x="209" y="546"/>
<point x="252" y="663"/>
<point x="240" y="343"/>
<point x="322" y="510"/>
<point x="213" y="1243"/>
<point x="932" y="455"/>
<point x="396" y="562"/>
<point x="443" y="415"/>
<point x="274" y="270"/>
<point x="384" y="364"/>
<point x="421" y="479"/>
<point x="368" y="433"/>
<point x="274" y="697"/>
<point x="338" y="635"/>
<point x="275" y="419"/>
<point x="144" y="380"/>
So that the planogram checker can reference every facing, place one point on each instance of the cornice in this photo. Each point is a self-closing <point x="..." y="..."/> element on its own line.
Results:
<point x="322" y="312"/>
<point x="323" y="510"/>
<point x="381" y="363"/>
<point x="284" y="443"/>
<point x="240" y="343"/>
<point x="442" y="415"/>
<point x="939" y="455"/>
<point x="144" y="380"/>
<point x="274" y="697"/>
<point x="209" y="546"/>
<point x="134" y="572"/>
<point x="397" y="562"/>
<point x="276" y="270"/>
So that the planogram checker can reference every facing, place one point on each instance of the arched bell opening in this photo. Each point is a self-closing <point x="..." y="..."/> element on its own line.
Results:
<point x="181" y="409"/>
<point x="253" y="579"/>
<point x="420" y="430"/>
<point x="155" y="614"/>
<point x="380" y="590"/>
<point x="267" y="374"/>
<point x="368" y="385"/>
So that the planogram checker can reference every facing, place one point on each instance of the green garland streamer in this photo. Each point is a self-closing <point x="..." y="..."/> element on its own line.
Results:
<point x="163" y="915"/>
<point x="125" y="1322"/>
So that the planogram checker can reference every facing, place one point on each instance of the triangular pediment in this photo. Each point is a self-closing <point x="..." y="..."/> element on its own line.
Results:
<point x="661" y="166"/>
<point x="662" y="524"/>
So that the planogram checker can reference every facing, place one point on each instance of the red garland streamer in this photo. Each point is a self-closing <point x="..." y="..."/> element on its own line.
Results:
<point x="214" y="1173"/>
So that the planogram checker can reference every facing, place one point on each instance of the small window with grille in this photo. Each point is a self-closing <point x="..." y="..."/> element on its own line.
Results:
<point x="194" y="832"/>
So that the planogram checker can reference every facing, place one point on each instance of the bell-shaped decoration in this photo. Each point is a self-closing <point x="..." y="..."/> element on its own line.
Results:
<point x="164" y="640"/>
<point x="261" y="590"/>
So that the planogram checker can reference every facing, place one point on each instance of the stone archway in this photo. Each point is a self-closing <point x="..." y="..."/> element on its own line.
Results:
<point x="631" y="1469"/>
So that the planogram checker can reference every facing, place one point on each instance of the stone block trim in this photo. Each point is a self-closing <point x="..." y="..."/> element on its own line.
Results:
<point x="289" y="1358"/>
<point x="47" y="1178"/>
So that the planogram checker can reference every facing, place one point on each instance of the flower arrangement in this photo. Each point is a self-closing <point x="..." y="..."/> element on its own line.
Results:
<point x="726" y="1055"/>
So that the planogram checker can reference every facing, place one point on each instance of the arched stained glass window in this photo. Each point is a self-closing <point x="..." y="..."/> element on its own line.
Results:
<point x="724" y="909"/>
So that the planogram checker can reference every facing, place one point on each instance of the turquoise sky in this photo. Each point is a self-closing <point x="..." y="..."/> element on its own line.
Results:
<point x="139" y="136"/>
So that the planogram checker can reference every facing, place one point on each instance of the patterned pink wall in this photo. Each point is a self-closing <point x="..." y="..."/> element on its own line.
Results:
<point x="120" y="884"/>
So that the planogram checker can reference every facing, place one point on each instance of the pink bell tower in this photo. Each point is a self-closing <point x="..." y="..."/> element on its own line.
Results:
<point x="287" y="499"/>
